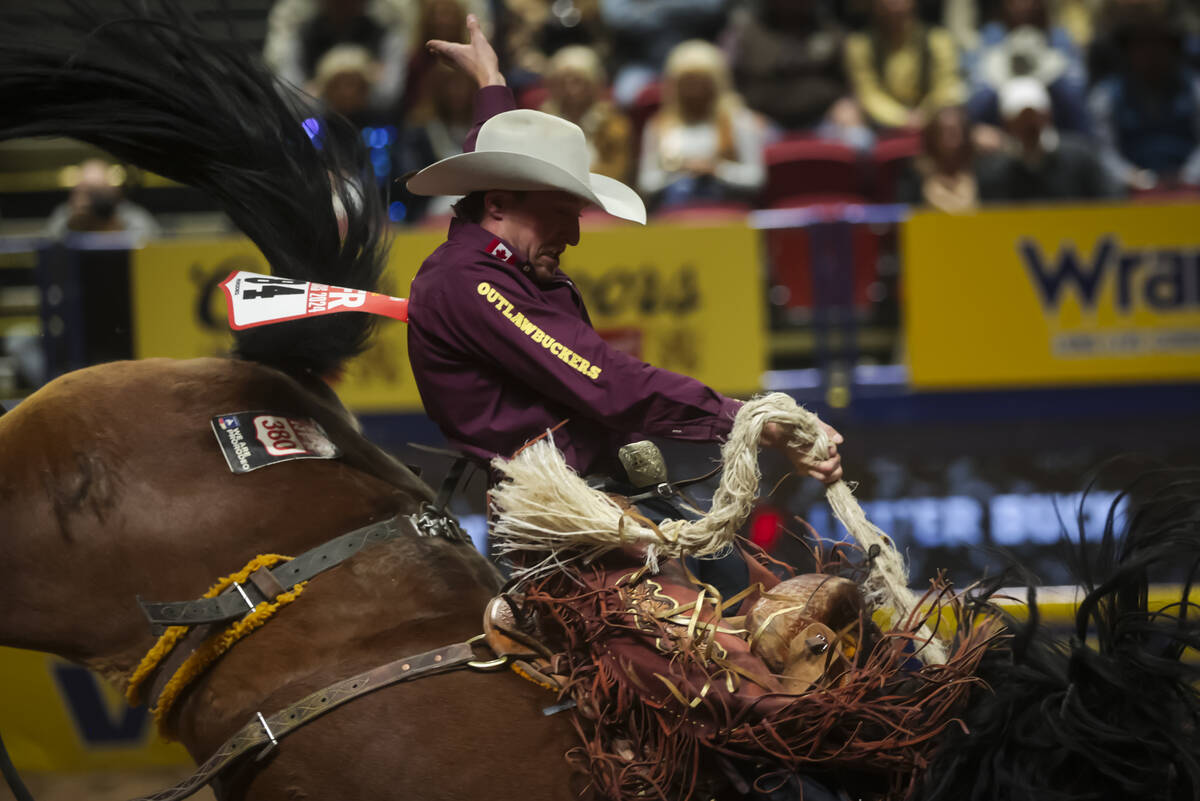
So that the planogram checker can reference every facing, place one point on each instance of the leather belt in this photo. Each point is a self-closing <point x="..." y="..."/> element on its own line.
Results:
<point x="266" y="732"/>
<point x="243" y="598"/>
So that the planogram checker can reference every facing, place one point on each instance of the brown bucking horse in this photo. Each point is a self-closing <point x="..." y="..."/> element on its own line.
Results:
<point x="112" y="487"/>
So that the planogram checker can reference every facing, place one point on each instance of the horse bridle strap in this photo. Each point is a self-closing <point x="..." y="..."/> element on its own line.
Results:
<point x="231" y="605"/>
<point x="266" y="732"/>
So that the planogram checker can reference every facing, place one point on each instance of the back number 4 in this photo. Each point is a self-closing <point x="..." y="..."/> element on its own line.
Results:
<point x="272" y="286"/>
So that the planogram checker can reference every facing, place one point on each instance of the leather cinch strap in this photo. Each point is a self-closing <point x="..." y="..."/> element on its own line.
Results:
<point x="268" y="731"/>
<point x="231" y="605"/>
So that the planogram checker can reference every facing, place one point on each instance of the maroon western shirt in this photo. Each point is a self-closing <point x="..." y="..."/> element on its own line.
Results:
<point x="500" y="358"/>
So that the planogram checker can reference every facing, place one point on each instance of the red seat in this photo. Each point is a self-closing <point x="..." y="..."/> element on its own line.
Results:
<point x="645" y="106"/>
<point x="799" y="168"/>
<point x="889" y="157"/>
<point x="790" y="257"/>
<point x="533" y="97"/>
<point x="1175" y="194"/>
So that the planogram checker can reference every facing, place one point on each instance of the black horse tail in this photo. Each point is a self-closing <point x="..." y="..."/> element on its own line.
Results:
<point x="148" y="86"/>
<point x="1113" y="711"/>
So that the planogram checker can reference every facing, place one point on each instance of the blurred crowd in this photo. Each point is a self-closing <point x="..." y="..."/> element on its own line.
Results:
<point x="949" y="104"/>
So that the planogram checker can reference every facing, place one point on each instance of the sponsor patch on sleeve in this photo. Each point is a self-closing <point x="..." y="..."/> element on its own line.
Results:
<point x="250" y="440"/>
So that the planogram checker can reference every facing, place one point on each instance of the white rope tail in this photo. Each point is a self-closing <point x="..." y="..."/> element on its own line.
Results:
<point x="544" y="507"/>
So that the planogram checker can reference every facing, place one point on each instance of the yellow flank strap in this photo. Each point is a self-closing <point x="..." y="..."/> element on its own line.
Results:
<point x="212" y="648"/>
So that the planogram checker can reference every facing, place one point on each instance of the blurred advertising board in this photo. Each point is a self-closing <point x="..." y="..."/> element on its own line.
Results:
<point x="60" y="717"/>
<point x="687" y="299"/>
<point x="1053" y="296"/>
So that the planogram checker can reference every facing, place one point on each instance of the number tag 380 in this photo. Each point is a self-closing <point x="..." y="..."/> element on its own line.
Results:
<point x="250" y="440"/>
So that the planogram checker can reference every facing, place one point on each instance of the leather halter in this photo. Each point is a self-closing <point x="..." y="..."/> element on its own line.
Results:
<point x="266" y="584"/>
<point x="205" y="614"/>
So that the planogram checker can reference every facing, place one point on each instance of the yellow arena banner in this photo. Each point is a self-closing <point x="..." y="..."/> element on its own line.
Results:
<point x="687" y="299"/>
<point x="1053" y="296"/>
<point x="59" y="717"/>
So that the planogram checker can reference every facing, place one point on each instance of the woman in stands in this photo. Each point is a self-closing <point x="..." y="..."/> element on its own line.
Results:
<point x="703" y="145"/>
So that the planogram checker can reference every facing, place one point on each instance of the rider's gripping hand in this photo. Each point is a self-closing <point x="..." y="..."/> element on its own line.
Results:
<point x="828" y="471"/>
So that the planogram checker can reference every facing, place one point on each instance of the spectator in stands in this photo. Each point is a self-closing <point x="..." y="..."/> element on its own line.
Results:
<point x="1039" y="163"/>
<point x="902" y="71"/>
<point x="1105" y="55"/>
<point x="943" y="176"/>
<point x="97" y="203"/>
<point x="962" y="19"/>
<point x="1148" y="114"/>
<point x="787" y="63"/>
<point x="786" y="57"/>
<point x="1023" y="42"/>
<point x="643" y="33"/>
<point x="301" y="32"/>
<point x="435" y="129"/>
<point x="577" y="86"/>
<point x="444" y="20"/>
<point x="536" y="29"/>
<point x="343" y="81"/>
<point x="703" y="144"/>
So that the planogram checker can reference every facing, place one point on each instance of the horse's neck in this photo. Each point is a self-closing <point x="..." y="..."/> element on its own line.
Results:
<point x="111" y="487"/>
<point x="390" y="601"/>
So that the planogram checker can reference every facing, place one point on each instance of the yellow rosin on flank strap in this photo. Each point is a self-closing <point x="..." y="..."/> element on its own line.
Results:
<point x="211" y="649"/>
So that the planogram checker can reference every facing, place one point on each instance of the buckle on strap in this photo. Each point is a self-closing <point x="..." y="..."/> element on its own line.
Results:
<point x="485" y="665"/>
<point x="270" y="736"/>
<point x="252" y="606"/>
<point x="230" y="605"/>
<point x="433" y="521"/>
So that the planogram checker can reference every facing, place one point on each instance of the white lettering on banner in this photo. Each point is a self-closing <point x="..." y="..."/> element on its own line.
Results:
<point x="317" y="298"/>
<point x="958" y="520"/>
<point x="349" y="298"/>
<point x="1126" y="343"/>
<point x="277" y="435"/>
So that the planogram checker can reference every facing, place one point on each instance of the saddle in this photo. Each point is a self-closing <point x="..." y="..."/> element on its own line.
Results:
<point x="798" y="636"/>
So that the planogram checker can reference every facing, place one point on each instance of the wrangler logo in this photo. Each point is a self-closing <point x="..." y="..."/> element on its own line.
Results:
<point x="531" y="330"/>
<point x="1165" y="280"/>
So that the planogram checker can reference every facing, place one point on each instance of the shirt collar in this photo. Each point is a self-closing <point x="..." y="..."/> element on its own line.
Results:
<point x="476" y="237"/>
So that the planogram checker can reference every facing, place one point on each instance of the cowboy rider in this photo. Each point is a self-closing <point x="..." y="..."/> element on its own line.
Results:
<point x="500" y="342"/>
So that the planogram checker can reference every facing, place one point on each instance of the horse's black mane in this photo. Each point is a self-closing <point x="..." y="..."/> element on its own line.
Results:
<point x="148" y="86"/>
<point x="1113" y="712"/>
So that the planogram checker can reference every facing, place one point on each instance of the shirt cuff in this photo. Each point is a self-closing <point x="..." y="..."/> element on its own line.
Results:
<point x="489" y="101"/>
<point x="728" y="411"/>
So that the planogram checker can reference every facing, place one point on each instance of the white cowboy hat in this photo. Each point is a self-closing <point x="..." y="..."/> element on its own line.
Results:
<point x="1022" y="93"/>
<point x="529" y="150"/>
<point x="1023" y="52"/>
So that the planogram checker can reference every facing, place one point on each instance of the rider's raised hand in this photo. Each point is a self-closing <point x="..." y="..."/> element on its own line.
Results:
<point x="477" y="58"/>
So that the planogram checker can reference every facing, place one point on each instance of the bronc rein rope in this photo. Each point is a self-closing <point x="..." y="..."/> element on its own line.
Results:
<point x="546" y="508"/>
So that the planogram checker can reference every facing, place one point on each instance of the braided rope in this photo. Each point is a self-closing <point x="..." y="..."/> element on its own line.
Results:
<point x="546" y="508"/>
